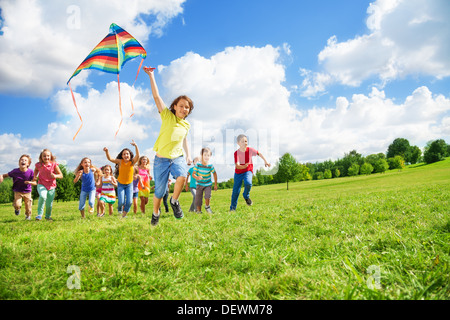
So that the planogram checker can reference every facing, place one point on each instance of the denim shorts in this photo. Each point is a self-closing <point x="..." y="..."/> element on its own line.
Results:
<point x="162" y="167"/>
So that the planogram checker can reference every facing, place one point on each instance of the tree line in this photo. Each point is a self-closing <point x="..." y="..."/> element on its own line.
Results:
<point x="287" y="169"/>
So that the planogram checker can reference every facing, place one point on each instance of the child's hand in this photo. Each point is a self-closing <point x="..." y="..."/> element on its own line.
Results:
<point x="133" y="143"/>
<point x="189" y="161"/>
<point x="267" y="164"/>
<point x="1" y="178"/>
<point x="105" y="149"/>
<point x="215" y="187"/>
<point x="148" y="70"/>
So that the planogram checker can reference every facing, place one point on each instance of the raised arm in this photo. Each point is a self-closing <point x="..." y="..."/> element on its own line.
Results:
<point x="267" y="164"/>
<point x="108" y="156"/>
<point x="137" y="156"/>
<point x="158" y="100"/>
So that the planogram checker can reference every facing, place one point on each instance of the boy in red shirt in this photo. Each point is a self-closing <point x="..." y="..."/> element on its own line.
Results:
<point x="244" y="170"/>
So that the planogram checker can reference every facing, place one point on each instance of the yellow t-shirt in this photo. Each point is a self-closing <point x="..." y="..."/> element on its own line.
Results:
<point x="126" y="172"/>
<point x="171" y="135"/>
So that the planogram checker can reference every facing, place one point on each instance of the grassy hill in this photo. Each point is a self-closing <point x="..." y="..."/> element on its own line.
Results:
<point x="382" y="236"/>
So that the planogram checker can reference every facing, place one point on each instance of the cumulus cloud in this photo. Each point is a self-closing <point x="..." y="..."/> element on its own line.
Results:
<point x="406" y="38"/>
<point x="41" y="42"/>
<point x="240" y="90"/>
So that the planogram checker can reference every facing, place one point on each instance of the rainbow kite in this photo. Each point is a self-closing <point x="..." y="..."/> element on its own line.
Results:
<point x="110" y="55"/>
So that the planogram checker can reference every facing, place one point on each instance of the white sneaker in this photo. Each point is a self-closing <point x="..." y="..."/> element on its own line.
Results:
<point x="208" y="209"/>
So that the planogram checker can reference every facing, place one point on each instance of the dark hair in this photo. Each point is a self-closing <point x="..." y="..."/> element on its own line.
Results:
<point x="205" y="149"/>
<point x="175" y="102"/>
<point x="119" y="156"/>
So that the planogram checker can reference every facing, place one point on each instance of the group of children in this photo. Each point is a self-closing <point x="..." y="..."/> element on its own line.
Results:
<point x="132" y="172"/>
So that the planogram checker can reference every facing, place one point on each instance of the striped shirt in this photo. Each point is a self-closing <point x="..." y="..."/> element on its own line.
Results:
<point x="108" y="191"/>
<point x="205" y="173"/>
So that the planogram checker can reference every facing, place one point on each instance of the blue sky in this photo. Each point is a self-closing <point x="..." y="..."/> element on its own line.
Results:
<point x="313" y="78"/>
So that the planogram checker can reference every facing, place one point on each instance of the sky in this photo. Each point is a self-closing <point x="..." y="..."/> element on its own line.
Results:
<point x="316" y="79"/>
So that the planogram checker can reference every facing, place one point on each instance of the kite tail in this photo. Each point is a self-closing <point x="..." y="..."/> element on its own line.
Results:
<point x="76" y="108"/>
<point x="132" y="106"/>
<point x="120" y="106"/>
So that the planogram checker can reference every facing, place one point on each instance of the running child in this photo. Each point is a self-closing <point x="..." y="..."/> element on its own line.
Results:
<point x="144" y="181"/>
<point x="85" y="172"/>
<point x="191" y="185"/>
<point x="244" y="170"/>
<point x="22" y="185"/>
<point x="46" y="171"/>
<point x="124" y="173"/>
<point x="202" y="173"/>
<point x="106" y="183"/>
<point x="169" y="147"/>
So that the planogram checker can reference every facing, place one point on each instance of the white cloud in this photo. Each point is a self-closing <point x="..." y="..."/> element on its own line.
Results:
<point x="44" y="41"/>
<point x="407" y="38"/>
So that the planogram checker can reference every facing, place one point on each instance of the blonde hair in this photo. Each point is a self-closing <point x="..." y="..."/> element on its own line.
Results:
<point x="52" y="157"/>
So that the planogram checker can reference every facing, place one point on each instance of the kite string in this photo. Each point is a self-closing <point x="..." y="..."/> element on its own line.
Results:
<point x="76" y="108"/>
<point x="120" y="106"/>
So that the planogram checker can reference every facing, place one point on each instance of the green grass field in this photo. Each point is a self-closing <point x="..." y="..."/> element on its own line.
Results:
<point x="382" y="236"/>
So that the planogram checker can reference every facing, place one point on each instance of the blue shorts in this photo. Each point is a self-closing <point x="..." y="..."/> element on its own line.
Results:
<point x="162" y="167"/>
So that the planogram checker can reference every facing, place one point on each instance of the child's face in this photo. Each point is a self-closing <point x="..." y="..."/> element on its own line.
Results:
<point x="24" y="162"/>
<point x="243" y="143"/>
<point x="206" y="156"/>
<point x="144" y="161"/>
<point x="126" y="155"/>
<point x="182" y="109"/>
<point x="86" y="163"/>
<point x="107" y="171"/>
<point x="46" y="156"/>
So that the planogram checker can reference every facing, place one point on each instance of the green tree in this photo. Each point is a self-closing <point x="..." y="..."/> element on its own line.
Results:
<point x="353" y="170"/>
<point x="65" y="188"/>
<point x="435" y="151"/>
<point x="381" y="166"/>
<point x="399" y="147"/>
<point x="413" y="154"/>
<point x="327" y="174"/>
<point x="6" y="193"/>
<point x="366" y="168"/>
<point x="336" y="173"/>
<point x="288" y="169"/>
<point x="349" y="159"/>
<point x="396" y="162"/>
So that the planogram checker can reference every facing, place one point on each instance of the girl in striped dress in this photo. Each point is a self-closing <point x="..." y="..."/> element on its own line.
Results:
<point x="107" y="184"/>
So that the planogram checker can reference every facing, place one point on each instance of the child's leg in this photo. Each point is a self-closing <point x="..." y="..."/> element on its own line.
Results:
<point x="128" y="198"/>
<point x="247" y="184"/>
<point x="42" y="199"/>
<point x="193" y="192"/>
<point x="207" y="196"/>
<point x="156" y="204"/>
<point x="238" y="177"/>
<point x="102" y="206"/>
<point x="161" y="176"/>
<point x="120" y="196"/>
<point x="166" y="196"/>
<point x="17" y="201"/>
<point x="28" y="203"/>
<point x="82" y="203"/>
<point x="91" y="201"/>
<point x="49" y="203"/>
<point x="110" y="208"/>
<point x="179" y="184"/>
<point x="135" y="202"/>
<point x="198" y="198"/>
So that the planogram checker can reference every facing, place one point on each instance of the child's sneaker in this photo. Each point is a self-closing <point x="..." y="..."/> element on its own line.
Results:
<point x="155" y="219"/>
<point x="177" y="212"/>
<point x="27" y="218"/>
<point x="16" y="212"/>
<point x="38" y="218"/>
<point x="248" y="201"/>
<point x="208" y="209"/>
<point x="49" y="219"/>
<point x="91" y="210"/>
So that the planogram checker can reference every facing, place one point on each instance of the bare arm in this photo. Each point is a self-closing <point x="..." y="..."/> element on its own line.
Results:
<point x="267" y="164"/>
<point x="215" y="181"/>
<point x="188" y="152"/>
<point x="108" y="156"/>
<point x="58" y="174"/>
<point x="155" y="92"/>
<point x="137" y="156"/>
